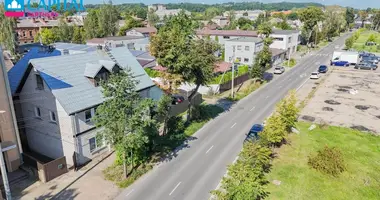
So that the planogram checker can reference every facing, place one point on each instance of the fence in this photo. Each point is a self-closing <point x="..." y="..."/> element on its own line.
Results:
<point x="47" y="171"/>
<point x="182" y="107"/>
<point x="238" y="80"/>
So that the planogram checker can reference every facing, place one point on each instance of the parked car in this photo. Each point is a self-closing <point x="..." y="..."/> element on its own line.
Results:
<point x="366" y="66"/>
<point x="340" y="63"/>
<point x="314" y="75"/>
<point x="177" y="99"/>
<point x="254" y="132"/>
<point x="373" y="59"/>
<point x="279" y="70"/>
<point x="323" y="69"/>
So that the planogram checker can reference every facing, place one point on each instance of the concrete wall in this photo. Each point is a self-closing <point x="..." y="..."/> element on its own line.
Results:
<point x="8" y="129"/>
<point x="241" y="52"/>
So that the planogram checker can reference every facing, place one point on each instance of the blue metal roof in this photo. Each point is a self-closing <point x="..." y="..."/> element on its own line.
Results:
<point x="16" y="73"/>
<point x="53" y="82"/>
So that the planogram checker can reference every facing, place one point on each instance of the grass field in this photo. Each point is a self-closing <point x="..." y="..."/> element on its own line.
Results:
<point x="361" y="152"/>
<point x="360" y="43"/>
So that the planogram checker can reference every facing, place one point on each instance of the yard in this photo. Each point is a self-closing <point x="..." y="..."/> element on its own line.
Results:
<point x="359" y="45"/>
<point x="361" y="154"/>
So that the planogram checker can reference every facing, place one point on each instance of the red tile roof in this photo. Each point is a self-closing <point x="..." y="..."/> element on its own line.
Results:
<point x="222" y="66"/>
<point x="159" y="68"/>
<point x="241" y="33"/>
<point x="146" y="29"/>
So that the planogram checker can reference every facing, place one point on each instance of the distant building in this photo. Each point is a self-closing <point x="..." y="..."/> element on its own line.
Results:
<point x="285" y="12"/>
<point x="141" y="31"/>
<point x="223" y="35"/>
<point x="247" y="14"/>
<point x="161" y="11"/>
<point x="245" y="49"/>
<point x="221" y="21"/>
<point x="116" y="41"/>
<point x="287" y="40"/>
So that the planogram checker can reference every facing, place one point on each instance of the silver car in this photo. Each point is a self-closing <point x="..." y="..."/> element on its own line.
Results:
<point x="279" y="70"/>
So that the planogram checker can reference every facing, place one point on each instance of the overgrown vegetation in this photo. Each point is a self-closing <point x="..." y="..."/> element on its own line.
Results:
<point x="329" y="160"/>
<point x="359" y="150"/>
<point x="362" y="36"/>
<point x="152" y="73"/>
<point x="246" y="90"/>
<point x="291" y="63"/>
<point x="246" y="179"/>
<point x="220" y="78"/>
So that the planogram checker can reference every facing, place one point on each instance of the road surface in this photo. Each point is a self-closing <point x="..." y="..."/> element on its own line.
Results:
<point x="198" y="169"/>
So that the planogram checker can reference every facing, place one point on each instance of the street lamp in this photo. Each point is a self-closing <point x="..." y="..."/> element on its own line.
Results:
<point x="2" y="163"/>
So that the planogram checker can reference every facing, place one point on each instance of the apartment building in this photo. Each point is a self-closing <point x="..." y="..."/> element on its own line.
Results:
<point x="287" y="40"/>
<point x="59" y="96"/>
<point x="221" y="36"/>
<point x="161" y="11"/>
<point x="221" y="21"/>
<point x="9" y="135"/>
<point x="243" y="50"/>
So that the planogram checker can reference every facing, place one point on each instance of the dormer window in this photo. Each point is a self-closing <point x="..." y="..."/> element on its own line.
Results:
<point x="101" y="77"/>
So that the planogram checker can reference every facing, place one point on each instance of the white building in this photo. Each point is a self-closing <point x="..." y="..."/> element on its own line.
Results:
<point x="221" y="36"/>
<point x="116" y="41"/>
<point x="141" y="31"/>
<point x="221" y="21"/>
<point x="161" y="11"/>
<point x="287" y="40"/>
<point x="248" y="14"/>
<point x="59" y="96"/>
<point x="245" y="49"/>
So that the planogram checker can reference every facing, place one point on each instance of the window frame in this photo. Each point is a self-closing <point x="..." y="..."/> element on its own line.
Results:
<point x="39" y="82"/>
<point x="37" y="112"/>
<point x="85" y="115"/>
<point x="246" y="60"/>
<point x="53" y="115"/>
<point x="238" y="47"/>
<point x="246" y="48"/>
<point x="94" y="144"/>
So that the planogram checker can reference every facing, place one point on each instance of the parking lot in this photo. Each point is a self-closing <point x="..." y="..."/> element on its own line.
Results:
<point x="348" y="97"/>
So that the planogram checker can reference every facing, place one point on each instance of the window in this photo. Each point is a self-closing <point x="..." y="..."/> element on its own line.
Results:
<point x="290" y="39"/>
<point x="88" y="115"/>
<point x="40" y="82"/>
<point x="238" y="59"/>
<point x="246" y="60"/>
<point x="92" y="142"/>
<point x="23" y="33"/>
<point x="100" y="77"/>
<point x="31" y="33"/>
<point x="53" y="117"/>
<point x="226" y="37"/>
<point x="37" y="112"/>
<point x="247" y="48"/>
<point x="279" y="39"/>
<point x="238" y="47"/>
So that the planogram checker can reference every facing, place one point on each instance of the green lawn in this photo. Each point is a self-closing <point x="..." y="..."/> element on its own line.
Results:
<point x="361" y="152"/>
<point x="360" y="42"/>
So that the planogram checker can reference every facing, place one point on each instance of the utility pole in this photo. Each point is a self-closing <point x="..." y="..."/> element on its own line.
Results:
<point x="2" y="165"/>
<point x="233" y="70"/>
<point x="289" y="58"/>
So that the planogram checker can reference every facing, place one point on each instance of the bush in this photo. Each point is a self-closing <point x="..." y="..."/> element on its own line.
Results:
<point x="152" y="73"/>
<point x="175" y="125"/>
<point x="228" y="75"/>
<point x="328" y="160"/>
<point x="204" y="112"/>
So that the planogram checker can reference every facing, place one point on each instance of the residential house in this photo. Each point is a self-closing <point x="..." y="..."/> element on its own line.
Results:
<point x="141" y="31"/>
<point x="161" y="11"/>
<point x="248" y="14"/>
<point x="223" y="35"/>
<point x="9" y="135"/>
<point x="221" y="21"/>
<point x="278" y="56"/>
<point x="116" y="41"/>
<point x="243" y="50"/>
<point x="285" y="39"/>
<point x="59" y="96"/>
<point x="72" y="48"/>
<point x="144" y="58"/>
<point x="285" y="12"/>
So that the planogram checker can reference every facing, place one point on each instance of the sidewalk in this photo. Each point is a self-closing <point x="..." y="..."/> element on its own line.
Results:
<point x="86" y="183"/>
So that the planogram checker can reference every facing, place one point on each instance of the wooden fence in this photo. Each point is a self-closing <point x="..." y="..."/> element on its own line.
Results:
<point x="238" y="80"/>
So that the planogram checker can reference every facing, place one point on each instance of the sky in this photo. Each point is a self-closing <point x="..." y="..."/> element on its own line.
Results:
<point x="351" y="3"/>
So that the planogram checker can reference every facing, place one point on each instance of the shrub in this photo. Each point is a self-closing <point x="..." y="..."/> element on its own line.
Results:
<point x="152" y="73"/>
<point x="175" y="125"/>
<point x="328" y="160"/>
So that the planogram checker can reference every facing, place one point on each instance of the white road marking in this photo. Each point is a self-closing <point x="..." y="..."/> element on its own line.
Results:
<point x="129" y="192"/>
<point x="302" y="85"/>
<point x="209" y="149"/>
<point x="233" y="125"/>
<point x="175" y="188"/>
<point x="252" y="108"/>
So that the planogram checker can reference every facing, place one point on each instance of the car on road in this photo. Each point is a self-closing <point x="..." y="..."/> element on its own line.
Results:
<point x="177" y="99"/>
<point x="279" y="70"/>
<point x="366" y="66"/>
<point x="323" y="69"/>
<point x="373" y="59"/>
<point x="340" y="63"/>
<point x="254" y="132"/>
<point x="314" y="75"/>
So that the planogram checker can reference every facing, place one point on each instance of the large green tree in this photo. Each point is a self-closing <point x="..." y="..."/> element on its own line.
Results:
<point x="175" y="48"/>
<point x="129" y="23"/>
<point x="310" y="17"/>
<point x="47" y="36"/>
<point x="78" y="35"/>
<point x="350" y="16"/>
<point x="65" y="32"/>
<point x="107" y="19"/>
<point x="91" y="24"/>
<point x="7" y="34"/>
<point x="163" y="111"/>
<point x="153" y="18"/>
<point x="288" y="110"/>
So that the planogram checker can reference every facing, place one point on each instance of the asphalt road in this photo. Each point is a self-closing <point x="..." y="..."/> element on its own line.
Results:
<point x="198" y="168"/>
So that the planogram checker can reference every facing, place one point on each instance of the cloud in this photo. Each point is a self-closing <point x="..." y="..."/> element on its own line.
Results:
<point x="14" y="5"/>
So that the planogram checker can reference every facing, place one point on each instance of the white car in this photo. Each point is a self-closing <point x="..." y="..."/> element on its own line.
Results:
<point x="279" y="70"/>
<point x="314" y="75"/>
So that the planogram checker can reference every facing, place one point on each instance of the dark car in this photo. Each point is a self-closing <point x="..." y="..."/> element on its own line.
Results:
<point x="372" y="59"/>
<point x="254" y="132"/>
<point x="366" y="66"/>
<point x="323" y="69"/>
<point x="340" y="63"/>
<point x="176" y="99"/>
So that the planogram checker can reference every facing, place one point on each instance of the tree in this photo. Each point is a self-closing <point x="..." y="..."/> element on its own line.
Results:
<point x="153" y="18"/>
<point x="211" y="12"/>
<point x="265" y="29"/>
<point x="7" y="35"/>
<point x="350" y="16"/>
<point x="371" y="38"/>
<point x="78" y="35"/>
<point x="349" y="42"/>
<point x="243" y="22"/>
<point x="363" y="16"/>
<point x="129" y="23"/>
<point x="263" y="61"/>
<point x="257" y="71"/>
<point x="376" y="20"/>
<point x="65" y="32"/>
<point x="124" y="118"/>
<point x="334" y="23"/>
<point x="288" y="110"/>
<point x="174" y="47"/>
<point x="47" y="36"/>
<point x="293" y="16"/>
<point x="274" y="132"/>
<point x="107" y="19"/>
<point x="310" y="17"/>
<point x="91" y="24"/>
<point x="163" y="111"/>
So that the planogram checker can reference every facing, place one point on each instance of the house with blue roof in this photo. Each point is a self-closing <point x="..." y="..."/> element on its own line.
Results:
<point x="58" y="97"/>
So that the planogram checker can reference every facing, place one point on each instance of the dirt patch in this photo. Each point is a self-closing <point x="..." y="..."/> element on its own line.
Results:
<point x="361" y="128"/>
<point x="332" y="102"/>
<point x="327" y="109"/>
<point x="345" y="87"/>
<point x="308" y="118"/>
<point x="314" y="88"/>
<point x="342" y="90"/>
<point x="378" y="117"/>
<point x="361" y="107"/>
